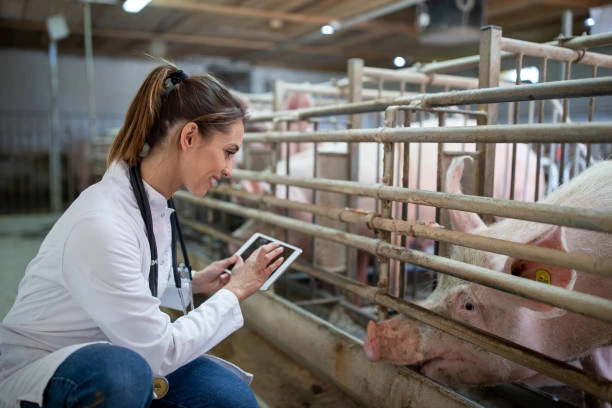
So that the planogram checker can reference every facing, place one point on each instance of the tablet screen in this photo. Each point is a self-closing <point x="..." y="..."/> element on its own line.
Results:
<point x="290" y="253"/>
<point x="263" y="241"/>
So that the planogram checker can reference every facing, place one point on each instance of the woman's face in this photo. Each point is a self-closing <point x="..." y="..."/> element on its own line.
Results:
<point x="211" y="158"/>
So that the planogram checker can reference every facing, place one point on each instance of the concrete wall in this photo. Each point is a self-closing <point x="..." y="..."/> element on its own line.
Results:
<point x="25" y="80"/>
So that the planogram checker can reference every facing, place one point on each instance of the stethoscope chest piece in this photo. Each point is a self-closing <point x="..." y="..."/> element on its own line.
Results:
<point x="160" y="387"/>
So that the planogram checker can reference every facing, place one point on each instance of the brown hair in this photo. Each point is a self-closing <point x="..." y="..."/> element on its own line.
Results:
<point x="166" y="96"/>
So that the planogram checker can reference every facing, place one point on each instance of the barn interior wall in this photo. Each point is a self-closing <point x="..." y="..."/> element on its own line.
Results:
<point x="24" y="78"/>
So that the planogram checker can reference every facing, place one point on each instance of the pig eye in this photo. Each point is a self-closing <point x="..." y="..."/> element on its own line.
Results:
<point x="469" y="306"/>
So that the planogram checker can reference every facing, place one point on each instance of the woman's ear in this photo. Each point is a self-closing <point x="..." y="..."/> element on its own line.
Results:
<point x="188" y="135"/>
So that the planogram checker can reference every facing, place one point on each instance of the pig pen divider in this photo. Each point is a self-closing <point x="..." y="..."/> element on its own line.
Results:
<point x="573" y="88"/>
<point x="472" y="61"/>
<point x="586" y="263"/>
<point x="581" y="303"/>
<point x="585" y="304"/>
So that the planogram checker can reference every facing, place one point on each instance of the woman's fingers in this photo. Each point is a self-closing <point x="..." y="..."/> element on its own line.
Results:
<point x="271" y="268"/>
<point x="273" y="254"/>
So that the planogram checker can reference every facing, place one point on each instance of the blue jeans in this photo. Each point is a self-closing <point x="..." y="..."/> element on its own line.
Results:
<point x="107" y="376"/>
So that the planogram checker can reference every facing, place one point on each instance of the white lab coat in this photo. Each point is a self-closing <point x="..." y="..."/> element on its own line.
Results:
<point x="89" y="283"/>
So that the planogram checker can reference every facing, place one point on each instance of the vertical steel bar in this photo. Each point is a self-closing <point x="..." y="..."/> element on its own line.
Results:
<point x="355" y="94"/>
<point x="441" y="248"/>
<point x="543" y="77"/>
<point x="55" y="171"/>
<point x="488" y="77"/>
<point x="386" y="210"/>
<point x="519" y="68"/>
<point x="590" y="118"/>
<point x="404" y="214"/>
<point x="565" y="119"/>
<point x="90" y="69"/>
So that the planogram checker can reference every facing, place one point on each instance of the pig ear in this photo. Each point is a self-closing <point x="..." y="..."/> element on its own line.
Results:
<point x="460" y="220"/>
<point x="548" y="274"/>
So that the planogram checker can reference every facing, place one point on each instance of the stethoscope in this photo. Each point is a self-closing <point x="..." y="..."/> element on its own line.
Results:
<point x="145" y="211"/>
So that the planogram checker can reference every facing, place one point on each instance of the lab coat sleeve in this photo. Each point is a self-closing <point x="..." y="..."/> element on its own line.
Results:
<point x="103" y="270"/>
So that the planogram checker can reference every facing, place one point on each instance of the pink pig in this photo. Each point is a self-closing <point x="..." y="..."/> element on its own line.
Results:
<point x="549" y="330"/>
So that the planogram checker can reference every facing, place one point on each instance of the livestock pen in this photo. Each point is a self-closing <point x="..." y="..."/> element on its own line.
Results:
<point x="565" y="138"/>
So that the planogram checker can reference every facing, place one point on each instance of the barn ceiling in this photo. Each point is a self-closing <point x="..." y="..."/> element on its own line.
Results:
<point x="284" y="33"/>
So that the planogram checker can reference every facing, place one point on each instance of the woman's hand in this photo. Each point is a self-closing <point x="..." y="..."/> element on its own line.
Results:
<point x="248" y="276"/>
<point x="213" y="277"/>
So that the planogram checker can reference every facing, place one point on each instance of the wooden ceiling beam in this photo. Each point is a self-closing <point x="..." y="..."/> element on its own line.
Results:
<point x="317" y="20"/>
<point x="241" y="11"/>
<point x="581" y="4"/>
<point x="502" y="7"/>
<point x="145" y="35"/>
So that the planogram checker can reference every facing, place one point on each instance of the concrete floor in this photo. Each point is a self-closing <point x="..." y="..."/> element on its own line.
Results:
<point x="20" y="238"/>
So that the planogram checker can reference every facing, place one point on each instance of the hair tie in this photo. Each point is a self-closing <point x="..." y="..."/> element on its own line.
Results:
<point x="174" y="79"/>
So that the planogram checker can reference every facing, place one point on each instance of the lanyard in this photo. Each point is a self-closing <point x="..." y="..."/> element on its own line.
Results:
<point x="145" y="211"/>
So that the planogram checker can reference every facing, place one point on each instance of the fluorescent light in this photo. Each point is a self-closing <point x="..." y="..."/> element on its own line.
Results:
<point x="134" y="6"/>
<point x="327" y="29"/>
<point x="399" y="61"/>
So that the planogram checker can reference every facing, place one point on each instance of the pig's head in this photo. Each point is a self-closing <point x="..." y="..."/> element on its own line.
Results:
<point x="450" y="360"/>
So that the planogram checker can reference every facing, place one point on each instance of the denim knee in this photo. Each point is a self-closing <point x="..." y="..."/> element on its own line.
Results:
<point x="111" y="376"/>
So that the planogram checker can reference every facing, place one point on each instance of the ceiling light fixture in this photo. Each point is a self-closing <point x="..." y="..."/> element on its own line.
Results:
<point x="134" y="6"/>
<point x="589" y="22"/>
<point x="327" y="29"/>
<point x="399" y="61"/>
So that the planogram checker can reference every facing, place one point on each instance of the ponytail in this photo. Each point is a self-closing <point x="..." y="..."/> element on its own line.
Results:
<point x="140" y="118"/>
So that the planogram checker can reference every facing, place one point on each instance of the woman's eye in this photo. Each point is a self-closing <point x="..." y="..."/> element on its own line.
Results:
<point x="228" y="153"/>
<point x="469" y="306"/>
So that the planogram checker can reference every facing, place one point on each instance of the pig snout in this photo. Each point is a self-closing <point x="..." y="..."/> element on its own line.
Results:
<point x="394" y="342"/>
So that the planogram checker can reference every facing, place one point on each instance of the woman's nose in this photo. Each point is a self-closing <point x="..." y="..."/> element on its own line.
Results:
<point x="227" y="172"/>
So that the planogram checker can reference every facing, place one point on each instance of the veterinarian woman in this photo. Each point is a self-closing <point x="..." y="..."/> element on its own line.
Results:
<point x="86" y="329"/>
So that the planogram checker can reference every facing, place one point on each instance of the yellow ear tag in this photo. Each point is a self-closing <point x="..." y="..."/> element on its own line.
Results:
<point x="543" y="276"/>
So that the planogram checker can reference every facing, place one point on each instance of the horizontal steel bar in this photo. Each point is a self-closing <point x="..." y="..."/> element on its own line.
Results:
<point x="550" y="214"/>
<point x="464" y="63"/>
<point x="582" y="303"/>
<point x="590" y="132"/>
<point x="415" y="77"/>
<point x="574" y="88"/>
<point x="532" y="49"/>
<point x="582" y="262"/>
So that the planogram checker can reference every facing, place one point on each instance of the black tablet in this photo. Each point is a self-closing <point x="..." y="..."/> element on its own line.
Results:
<point x="290" y="253"/>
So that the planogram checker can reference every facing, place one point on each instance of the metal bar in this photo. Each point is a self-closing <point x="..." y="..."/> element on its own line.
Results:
<point x="582" y="303"/>
<point x="538" y="212"/>
<point x="89" y="63"/>
<point x="594" y="132"/>
<point x="55" y="165"/>
<point x="355" y="74"/>
<point x="404" y="206"/>
<point x="574" y="88"/>
<point x="517" y="107"/>
<point x="557" y="53"/>
<point x="590" y="117"/>
<point x="582" y="262"/>
<point x="472" y="61"/>
<point x="384" y="267"/>
<point x="415" y="77"/>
